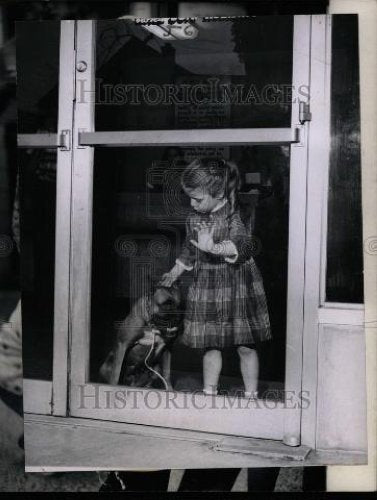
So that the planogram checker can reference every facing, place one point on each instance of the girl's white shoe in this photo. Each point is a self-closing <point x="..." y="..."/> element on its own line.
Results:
<point x="210" y="391"/>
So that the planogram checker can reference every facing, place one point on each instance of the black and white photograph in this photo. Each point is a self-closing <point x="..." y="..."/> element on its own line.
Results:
<point x="186" y="220"/>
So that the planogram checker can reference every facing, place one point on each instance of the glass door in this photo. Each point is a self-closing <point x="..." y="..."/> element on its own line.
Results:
<point x="45" y="51"/>
<point x="147" y="104"/>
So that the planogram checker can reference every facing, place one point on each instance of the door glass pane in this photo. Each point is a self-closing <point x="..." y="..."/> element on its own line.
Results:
<point x="344" y="277"/>
<point x="37" y="196"/>
<point x="139" y="214"/>
<point x="233" y="73"/>
<point x="37" y="75"/>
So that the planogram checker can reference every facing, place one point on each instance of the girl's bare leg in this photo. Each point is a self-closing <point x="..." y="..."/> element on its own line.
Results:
<point x="249" y="364"/>
<point x="212" y="364"/>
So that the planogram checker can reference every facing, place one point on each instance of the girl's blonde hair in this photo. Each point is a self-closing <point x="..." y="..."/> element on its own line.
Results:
<point x="216" y="176"/>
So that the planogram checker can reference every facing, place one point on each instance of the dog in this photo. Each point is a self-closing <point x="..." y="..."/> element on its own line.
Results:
<point x="143" y="341"/>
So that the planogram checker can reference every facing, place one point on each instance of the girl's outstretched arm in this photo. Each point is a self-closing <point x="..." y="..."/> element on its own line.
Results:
<point x="169" y="278"/>
<point x="185" y="261"/>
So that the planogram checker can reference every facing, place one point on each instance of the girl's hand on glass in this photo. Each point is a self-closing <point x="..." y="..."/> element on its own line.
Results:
<point x="205" y="237"/>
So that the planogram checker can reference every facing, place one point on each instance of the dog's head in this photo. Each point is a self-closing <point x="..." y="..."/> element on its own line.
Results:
<point x="166" y="315"/>
<point x="167" y="299"/>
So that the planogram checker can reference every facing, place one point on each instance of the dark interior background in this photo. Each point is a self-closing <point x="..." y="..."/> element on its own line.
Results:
<point x="258" y="53"/>
<point x="255" y="53"/>
<point x="129" y="217"/>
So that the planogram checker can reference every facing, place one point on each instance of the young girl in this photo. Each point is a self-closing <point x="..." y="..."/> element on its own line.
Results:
<point x="226" y="303"/>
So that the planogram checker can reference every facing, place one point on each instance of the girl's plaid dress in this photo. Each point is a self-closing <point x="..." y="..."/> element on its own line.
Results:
<point x="226" y="302"/>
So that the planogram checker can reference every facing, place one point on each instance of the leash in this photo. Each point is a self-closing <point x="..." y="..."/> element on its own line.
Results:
<point x="150" y="368"/>
<point x="152" y="328"/>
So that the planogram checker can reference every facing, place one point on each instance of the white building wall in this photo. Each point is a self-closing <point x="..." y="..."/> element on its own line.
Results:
<point x="341" y="403"/>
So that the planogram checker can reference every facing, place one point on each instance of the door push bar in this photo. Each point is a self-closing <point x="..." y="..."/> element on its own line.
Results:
<point x="189" y="137"/>
<point x="213" y="137"/>
<point x="48" y="141"/>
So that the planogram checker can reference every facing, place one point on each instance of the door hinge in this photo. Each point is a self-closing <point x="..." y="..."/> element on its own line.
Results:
<point x="304" y="112"/>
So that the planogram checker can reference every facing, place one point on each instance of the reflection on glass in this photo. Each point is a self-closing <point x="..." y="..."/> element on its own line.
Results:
<point x="37" y="196"/>
<point x="344" y="276"/>
<point x="234" y="73"/>
<point x="139" y="228"/>
<point x="37" y="75"/>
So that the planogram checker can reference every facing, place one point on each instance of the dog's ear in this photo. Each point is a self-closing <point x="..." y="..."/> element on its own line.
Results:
<point x="174" y="294"/>
<point x="161" y="295"/>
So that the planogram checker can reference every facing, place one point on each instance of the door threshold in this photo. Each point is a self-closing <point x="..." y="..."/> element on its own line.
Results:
<point x="56" y="444"/>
